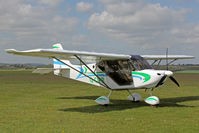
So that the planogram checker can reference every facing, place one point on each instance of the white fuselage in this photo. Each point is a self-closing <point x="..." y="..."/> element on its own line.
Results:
<point x="142" y="79"/>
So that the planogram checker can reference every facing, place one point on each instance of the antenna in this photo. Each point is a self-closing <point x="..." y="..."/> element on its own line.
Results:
<point x="167" y="64"/>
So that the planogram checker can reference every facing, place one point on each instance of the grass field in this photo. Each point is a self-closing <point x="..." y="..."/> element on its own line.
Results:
<point x="189" y="71"/>
<point x="33" y="103"/>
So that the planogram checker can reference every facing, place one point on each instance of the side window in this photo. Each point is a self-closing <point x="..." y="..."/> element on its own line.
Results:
<point x="118" y="70"/>
<point x="101" y="65"/>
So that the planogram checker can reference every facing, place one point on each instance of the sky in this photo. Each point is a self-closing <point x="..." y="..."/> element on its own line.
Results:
<point x="109" y="26"/>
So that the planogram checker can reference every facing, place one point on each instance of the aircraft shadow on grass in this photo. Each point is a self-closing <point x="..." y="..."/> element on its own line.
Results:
<point x="118" y="105"/>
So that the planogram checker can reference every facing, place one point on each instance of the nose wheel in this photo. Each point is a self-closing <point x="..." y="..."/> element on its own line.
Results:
<point x="152" y="100"/>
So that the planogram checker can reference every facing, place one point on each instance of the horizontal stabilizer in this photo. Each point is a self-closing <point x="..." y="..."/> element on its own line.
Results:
<point x="47" y="70"/>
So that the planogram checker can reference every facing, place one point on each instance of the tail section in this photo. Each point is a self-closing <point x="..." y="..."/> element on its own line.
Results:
<point x="60" y="68"/>
<point x="57" y="46"/>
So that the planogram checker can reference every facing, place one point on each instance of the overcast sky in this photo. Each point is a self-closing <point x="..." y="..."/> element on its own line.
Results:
<point x="113" y="26"/>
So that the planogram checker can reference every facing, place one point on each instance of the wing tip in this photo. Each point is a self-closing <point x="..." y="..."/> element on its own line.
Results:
<point x="10" y="50"/>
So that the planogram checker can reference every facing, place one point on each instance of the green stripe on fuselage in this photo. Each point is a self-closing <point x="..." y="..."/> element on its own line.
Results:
<point x="146" y="76"/>
<point x="85" y="69"/>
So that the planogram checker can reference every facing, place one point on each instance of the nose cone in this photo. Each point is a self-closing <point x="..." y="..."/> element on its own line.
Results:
<point x="168" y="73"/>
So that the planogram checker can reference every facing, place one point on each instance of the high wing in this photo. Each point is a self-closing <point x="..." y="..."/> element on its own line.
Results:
<point x="165" y="57"/>
<point x="89" y="56"/>
<point x="69" y="55"/>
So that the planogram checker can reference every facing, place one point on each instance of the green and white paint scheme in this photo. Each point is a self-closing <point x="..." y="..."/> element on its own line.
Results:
<point x="141" y="79"/>
<point x="152" y="100"/>
<point x="112" y="71"/>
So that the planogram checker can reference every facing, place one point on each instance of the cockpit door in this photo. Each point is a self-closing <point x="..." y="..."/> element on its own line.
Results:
<point x="119" y="70"/>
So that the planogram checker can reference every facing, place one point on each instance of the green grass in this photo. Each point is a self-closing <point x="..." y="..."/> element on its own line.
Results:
<point x="189" y="71"/>
<point x="32" y="103"/>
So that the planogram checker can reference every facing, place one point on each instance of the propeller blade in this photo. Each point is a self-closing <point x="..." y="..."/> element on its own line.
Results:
<point x="161" y="81"/>
<point x="174" y="80"/>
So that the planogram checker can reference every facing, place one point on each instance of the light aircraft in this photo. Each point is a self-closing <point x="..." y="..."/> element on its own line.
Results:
<point x="112" y="71"/>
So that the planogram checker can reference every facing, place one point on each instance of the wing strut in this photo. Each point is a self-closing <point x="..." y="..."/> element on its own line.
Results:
<point x="168" y="63"/>
<point x="92" y="71"/>
<point x="154" y="62"/>
<point x="81" y="73"/>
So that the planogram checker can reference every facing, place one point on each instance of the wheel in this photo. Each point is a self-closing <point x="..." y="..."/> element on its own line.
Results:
<point x="103" y="100"/>
<point x="152" y="100"/>
<point x="135" y="97"/>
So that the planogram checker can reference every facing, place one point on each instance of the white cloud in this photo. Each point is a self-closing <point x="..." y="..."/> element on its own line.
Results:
<point x="136" y="23"/>
<point x="124" y="8"/>
<point x="108" y="1"/>
<point x="50" y="2"/>
<point x="34" y="25"/>
<point x="139" y="26"/>
<point x="24" y="19"/>
<point x="188" y="34"/>
<point x="25" y="9"/>
<point x="26" y="26"/>
<point x="84" y="7"/>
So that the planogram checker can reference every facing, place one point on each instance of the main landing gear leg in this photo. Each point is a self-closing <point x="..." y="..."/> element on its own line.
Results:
<point x="152" y="100"/>
<point x="103" y="100"/>
<point x="150" y="92"/>
<point x="135" y="97"/>
<point x="109" y="93"/>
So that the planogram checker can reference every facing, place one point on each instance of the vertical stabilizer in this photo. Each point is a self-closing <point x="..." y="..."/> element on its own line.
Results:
<point x="60" y="68"/>
<point x="57" y="46"/>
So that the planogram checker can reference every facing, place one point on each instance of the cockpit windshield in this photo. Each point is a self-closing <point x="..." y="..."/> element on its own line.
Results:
<point x="121" y="70"/>
<point x="139" y="63"/>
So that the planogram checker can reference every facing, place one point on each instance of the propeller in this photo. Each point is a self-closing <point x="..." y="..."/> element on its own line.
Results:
<point x="171" y="77"/>
<point x="161" y="81"/>
<point x="165" y="75"/>
<point x="175" y="81"/>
